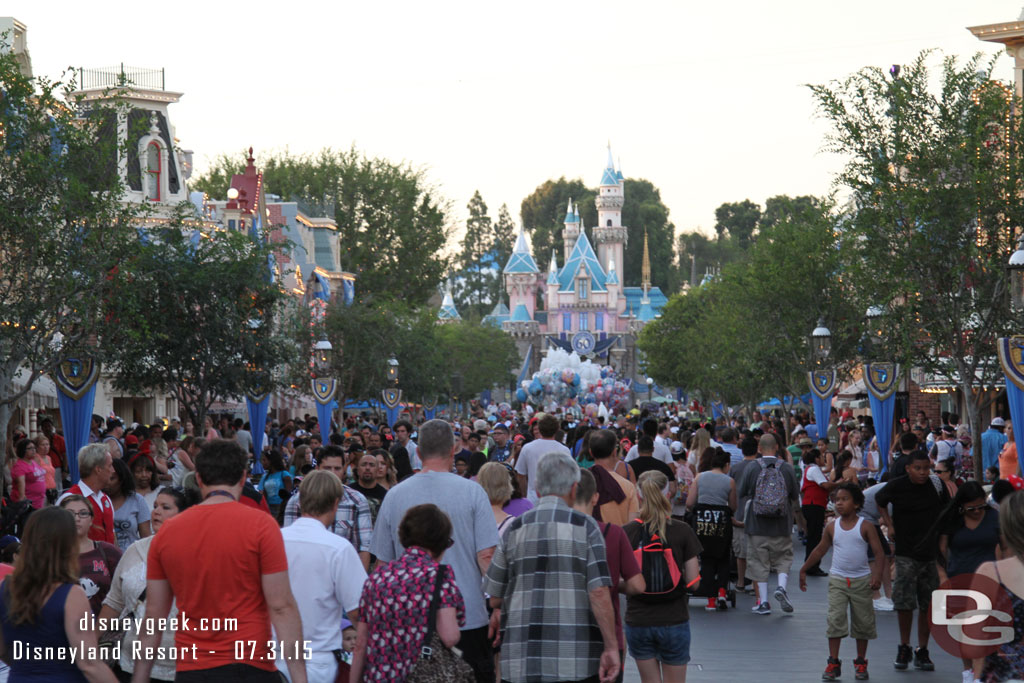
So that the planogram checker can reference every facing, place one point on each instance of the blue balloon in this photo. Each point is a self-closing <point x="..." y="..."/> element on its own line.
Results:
<point x="576" y="379"/>
<point x="536" y="387"/>
<point x="520" y="395"/>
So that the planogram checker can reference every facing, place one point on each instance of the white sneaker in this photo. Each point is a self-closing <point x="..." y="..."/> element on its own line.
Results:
<point x="882" y="604"/>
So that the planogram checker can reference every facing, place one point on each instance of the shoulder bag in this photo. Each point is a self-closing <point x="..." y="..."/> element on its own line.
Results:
<point x="438" y="663"/>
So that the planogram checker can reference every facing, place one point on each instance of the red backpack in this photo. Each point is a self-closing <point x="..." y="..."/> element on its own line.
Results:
<point x="657" y="564"/>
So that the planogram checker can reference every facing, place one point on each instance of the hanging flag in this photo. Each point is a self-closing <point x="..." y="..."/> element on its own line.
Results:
<point x="76" y="380"/>
<point x="348" y="286"/>
<point x="823" y="386"/>
<point x="880" y="381"/>
<point x="1011" y="358"/>
<point x="256" y="406"/>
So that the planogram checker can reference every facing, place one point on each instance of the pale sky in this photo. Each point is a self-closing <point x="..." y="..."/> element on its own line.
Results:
<point x="705" y="100"/>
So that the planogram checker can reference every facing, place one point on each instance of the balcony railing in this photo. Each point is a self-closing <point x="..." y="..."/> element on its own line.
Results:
<point x="120" y="76"/>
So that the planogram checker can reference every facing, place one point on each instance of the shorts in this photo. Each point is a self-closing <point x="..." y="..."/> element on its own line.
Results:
<point x="666" y="644"/>
<point x="739" y="544"/>
<point x="767" y="554"/>
<point x="913" y="583"/>
<point x="886" y="547"/>
<point x="853" y="595"/>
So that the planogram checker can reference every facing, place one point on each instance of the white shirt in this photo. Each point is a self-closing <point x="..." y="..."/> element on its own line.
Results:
<point x="327" y="579"/>
<point x="661" y="452"/>
<point x="414" y="459"/>
<point x="815" y="474"/>
<point x="530" y="456"/>
<point x="101" y="499"/>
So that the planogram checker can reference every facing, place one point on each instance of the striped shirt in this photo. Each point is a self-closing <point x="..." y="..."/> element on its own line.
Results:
<point x="551" y="558"/>
<point x="352" y="520"/>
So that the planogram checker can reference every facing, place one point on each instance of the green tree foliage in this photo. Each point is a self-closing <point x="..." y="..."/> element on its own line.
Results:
<point x="543" y="214"/>
<point x="737" y="220"/>
<point x="197" y="318"/>
<point x="474" y="279"/>
<point x="63" y="228"/>
<point x="743" y="337"/>
<point x="428" y="351"/>
<point x="392" y="223"/>
<point x="936" y="189"/>
<point x="504" y="241"/>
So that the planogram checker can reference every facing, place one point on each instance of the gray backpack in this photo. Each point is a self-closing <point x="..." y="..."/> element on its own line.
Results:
<point x="770" y="492"/>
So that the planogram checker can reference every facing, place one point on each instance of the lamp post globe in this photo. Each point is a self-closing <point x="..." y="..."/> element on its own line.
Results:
<point x="393" y="371"/>
<point x="322" y="352"/>
<point x="821" y="341"/>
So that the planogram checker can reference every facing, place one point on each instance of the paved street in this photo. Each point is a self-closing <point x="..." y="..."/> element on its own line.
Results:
<point x="740" y="646"/>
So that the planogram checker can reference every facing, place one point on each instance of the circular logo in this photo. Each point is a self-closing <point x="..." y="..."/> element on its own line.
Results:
<point x="971" y="616"/>
<point x="583" y="342"/>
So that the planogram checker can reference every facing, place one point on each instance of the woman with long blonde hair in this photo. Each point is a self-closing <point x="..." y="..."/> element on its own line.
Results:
<point x="658" y="620"/>
<point x="43" y="606"/>
<point x="700" y="441"/>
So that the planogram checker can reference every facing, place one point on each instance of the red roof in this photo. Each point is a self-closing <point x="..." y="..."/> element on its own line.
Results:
<point x="249" y="185"/>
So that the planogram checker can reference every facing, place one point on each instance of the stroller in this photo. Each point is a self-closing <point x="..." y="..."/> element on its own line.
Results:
<point x="713" y="526"/>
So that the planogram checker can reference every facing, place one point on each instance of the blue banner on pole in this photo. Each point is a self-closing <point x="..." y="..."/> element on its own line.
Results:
<point x="323" y="416"/>
<point x="1011" y="358"/>
<point x="257" y="422"/>
<point x="881" y="413"/>
<point x="76" y="418"/>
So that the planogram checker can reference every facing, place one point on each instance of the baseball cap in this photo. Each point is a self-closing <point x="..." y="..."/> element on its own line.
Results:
<point x="676" y="447"/>
<point x="480" y="426"/>
<point x="998" y="422"/>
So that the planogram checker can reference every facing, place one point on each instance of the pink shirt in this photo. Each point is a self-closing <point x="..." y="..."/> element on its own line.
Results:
<point x="35" y="482"/>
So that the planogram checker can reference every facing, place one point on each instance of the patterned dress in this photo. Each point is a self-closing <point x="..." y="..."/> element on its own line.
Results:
<point x="1008" y="663"/>
<point x="395" y="602"/>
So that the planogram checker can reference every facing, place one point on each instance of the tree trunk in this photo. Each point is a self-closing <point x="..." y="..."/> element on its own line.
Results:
<point x="974" y="423"/>
<point x="6" y="410"/>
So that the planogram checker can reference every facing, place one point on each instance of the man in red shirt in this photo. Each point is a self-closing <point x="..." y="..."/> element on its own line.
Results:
<point x="225" y="563"/>
<point x="96" y="467"/>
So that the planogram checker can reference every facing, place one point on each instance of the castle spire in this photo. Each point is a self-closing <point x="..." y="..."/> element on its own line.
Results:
<point x="645" y="268"/>
<point x="569" y="214"/>
<point x="611" y="163"/>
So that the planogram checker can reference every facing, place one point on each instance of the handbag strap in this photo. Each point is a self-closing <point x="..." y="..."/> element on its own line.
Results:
<point x="435" y="601"/>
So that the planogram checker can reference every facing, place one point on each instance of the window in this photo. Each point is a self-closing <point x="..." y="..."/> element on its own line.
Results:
<point x="231" y="224"/>
<point x="609" y="222"/>
<point x="153" y="171"/>
<point x="582" y="289"/>
<point x="584" y="321"/>
<point x="567" y="322"/>
<point x="599" y="321"/>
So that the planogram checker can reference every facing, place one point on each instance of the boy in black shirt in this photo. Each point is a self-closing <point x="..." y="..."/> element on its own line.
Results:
<point x="645" y="460"/>
<point x="918" y="499"/>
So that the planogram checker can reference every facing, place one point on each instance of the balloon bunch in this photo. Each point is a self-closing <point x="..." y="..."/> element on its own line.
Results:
<point x="565" y="380"/>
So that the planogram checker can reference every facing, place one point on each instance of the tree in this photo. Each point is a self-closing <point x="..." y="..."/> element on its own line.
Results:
<point x="644" y="212"/>
<point x="935" y="180"/>
<point x="63" y="227"/>
<point x="738" y="220"/>
<point x="197" y="317"/>
<point x="743" y="336"/>
<point x="503" y="241"/>
<point x="392" y="224"/>
<point x="493" y="355"/>
<point x="476" y="268"/>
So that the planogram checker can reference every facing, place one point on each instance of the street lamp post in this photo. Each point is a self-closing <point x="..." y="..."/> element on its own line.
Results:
<point x="1011" y="349"/>
<point x="324" y="387"/>
<point x="822" y="377"/>
<point x="650" y="388"/>
<point x="880" y="380"/>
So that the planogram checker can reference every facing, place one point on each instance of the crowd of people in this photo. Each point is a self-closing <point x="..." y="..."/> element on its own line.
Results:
<point x="515" y="547"/>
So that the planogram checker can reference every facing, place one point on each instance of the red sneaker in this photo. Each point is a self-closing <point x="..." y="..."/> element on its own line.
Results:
<point x="860" y="668"/>
<point x="833" y="670"/>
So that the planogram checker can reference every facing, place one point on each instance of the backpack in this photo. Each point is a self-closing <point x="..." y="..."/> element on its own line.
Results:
<point x="770" y="492"/>
<point x="658" y="566"/>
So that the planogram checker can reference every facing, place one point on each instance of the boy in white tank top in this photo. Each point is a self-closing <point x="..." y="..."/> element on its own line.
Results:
<point x="851" y="580"/>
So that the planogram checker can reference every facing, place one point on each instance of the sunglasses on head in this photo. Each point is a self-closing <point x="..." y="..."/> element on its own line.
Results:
<point x="975" y="508"/>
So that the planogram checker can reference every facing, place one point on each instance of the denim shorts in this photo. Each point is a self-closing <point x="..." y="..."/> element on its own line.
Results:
<point x="667" y="644"/>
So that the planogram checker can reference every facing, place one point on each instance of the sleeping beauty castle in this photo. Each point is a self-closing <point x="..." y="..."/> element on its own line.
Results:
<point x="582" y="306"/>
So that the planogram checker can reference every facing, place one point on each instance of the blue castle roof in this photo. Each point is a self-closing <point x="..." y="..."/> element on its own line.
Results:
<point x="582" y="257"/>
<point x="520" y="315"/>
<point x="447" y="311"/>
<point x="609" y="177"/>
<point x="634" y="300"/>
<point x="497" y="316"/>
<point x="521" y="261"/>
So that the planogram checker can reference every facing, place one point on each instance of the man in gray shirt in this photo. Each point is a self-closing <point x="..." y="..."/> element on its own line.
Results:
<point x="474" y="534"/>
<point x="770" y="539"/>
<point x="739" y="536"/>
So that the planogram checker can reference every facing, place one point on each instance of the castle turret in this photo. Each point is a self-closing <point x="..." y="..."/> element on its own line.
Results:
<point x="551" y="296"/>
<point x="571" y="231"/>
<point x="609" y="234"/>
<point x="521" y="277"/>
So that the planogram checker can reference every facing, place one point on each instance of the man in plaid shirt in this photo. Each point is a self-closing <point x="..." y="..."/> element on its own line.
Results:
<point x="352" y="521"/>
<point x="548" y="584"/>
